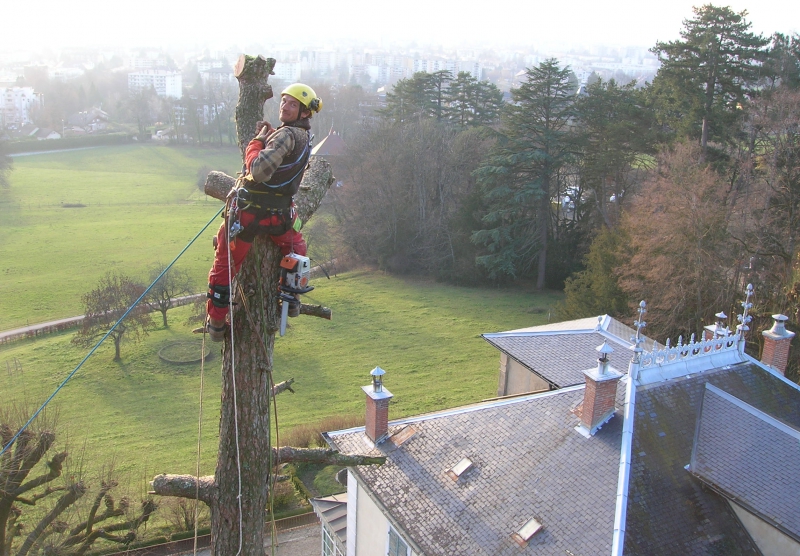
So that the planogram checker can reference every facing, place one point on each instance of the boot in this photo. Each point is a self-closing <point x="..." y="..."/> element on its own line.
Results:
<point x="216" y="329"/>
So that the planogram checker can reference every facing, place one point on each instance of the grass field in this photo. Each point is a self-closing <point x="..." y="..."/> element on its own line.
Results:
<point x="141" y="413"/>
<point x="140" y="203"/>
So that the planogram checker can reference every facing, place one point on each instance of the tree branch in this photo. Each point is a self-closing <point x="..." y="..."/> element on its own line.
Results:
<point x="55" y="466"/>
<point x="185" y="486"/>
<point x="70" y="497"/>
<point x="316" y="311"/>
<point x="36" y="497"/>
<point x="282" y="386"/>
<point x="289" y="454"/>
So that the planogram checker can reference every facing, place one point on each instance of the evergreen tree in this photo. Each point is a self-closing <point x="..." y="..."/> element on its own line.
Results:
<point x="524" y="175"/>
<point x="782" y="66"/>
<point x="615" y="137"/>
<point x="471" y="102"/>
<point x="706" y="76"/>
<point x="417" y="97"/>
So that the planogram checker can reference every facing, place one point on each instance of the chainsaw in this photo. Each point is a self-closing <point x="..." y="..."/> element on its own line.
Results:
<point x="295" y="273"/>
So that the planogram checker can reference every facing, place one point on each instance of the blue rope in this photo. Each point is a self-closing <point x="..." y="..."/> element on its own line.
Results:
<point x="53" y="395"/>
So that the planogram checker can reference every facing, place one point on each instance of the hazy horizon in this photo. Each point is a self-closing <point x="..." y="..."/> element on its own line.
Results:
<point x="84" y="23"/>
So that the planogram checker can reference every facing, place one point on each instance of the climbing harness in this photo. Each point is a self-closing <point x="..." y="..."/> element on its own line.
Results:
<point x="219" y="295"/>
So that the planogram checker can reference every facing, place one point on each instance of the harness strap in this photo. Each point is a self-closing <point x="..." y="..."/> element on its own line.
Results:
<point x="220" y="296"/>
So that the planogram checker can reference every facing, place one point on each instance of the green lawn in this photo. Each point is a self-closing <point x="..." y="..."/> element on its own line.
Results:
<point x="143" y="411"/>
<point x="141" y="206"/>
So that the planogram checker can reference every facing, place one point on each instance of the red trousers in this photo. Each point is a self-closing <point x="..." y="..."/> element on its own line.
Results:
<point x="290" y="242"/>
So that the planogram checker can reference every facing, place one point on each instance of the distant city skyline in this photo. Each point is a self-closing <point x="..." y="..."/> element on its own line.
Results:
<point x="167" y="23"/>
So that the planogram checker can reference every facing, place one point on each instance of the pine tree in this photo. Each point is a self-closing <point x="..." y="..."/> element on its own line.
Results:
<point x="471" y="102"/>
<point x="523" y="175"/>
<point x="616" y="138"/>
<point x="422" y="95"/>
<point x="705" y="78"/>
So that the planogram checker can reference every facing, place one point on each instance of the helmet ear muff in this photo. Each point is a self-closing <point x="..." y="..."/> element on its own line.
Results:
<point x="314" y="105"/>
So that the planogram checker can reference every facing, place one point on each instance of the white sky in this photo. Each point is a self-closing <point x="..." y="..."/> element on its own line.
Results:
<point x="32" y="24"/>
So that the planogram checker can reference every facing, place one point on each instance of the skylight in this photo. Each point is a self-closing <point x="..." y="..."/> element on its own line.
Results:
<point x="459" y="469"/>
<point x="527" y="532"/>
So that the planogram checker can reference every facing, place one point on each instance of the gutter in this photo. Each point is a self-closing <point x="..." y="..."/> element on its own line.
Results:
<point x="621" y="510"/>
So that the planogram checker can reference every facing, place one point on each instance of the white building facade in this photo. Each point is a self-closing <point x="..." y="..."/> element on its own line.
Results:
<point x="167" y="84"/>
<point x="16" y="104"/>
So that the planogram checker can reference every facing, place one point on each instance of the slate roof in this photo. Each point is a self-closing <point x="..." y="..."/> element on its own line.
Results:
<point x="560" y="352"/>
<point x="528" y="461"/>
<point x="737" y="422"/>
<point x="333" y="511"/>
<point x="750" y="457"/>
<point x="670" y="511"/>
<point x="568" y="355"/>
<point x="332" y="145"/>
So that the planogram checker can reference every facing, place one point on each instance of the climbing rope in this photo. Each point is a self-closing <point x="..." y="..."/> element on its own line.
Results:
<point x="270" y="393"/>
<point x="103" y="339"/>
<point x="235" y="403"/>
<point x="199" y="436"/>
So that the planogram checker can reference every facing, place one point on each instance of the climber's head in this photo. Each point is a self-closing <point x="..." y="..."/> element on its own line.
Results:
<point x="298" y="101"/>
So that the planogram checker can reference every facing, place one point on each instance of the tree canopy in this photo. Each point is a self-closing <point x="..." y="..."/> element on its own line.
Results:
<point x="525" y="173"/>
<point x="706" y="77"/>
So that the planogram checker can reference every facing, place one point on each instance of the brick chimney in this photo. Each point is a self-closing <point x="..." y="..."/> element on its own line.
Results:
<point x="599" y="395"/>
<point x="377" y="420"/>
<point x="776" y="344"/>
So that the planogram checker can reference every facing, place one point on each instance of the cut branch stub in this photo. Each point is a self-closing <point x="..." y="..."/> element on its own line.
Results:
<point x="185" y="486"/>
<point x="288" y="454"/>
<point x="252" y="73"/>
<point x="283" y="386"/>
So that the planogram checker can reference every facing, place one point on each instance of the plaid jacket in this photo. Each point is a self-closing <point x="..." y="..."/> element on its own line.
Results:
<point x="284" y="145"/>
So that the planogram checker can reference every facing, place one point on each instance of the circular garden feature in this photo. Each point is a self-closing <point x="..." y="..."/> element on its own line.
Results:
<point x="184" y="353"/>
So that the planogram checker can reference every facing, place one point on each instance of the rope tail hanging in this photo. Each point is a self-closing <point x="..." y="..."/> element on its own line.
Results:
<point x="199" y="436"/>
<point x="235" y="403"/>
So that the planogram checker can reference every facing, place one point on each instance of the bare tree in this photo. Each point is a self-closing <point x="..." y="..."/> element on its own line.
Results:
<point x="238" y="492"/>
<point x="679" y="252"/>
<point x="28" y="481"/>
<point x="174" y="284"/>
<point x="103" y="308"/>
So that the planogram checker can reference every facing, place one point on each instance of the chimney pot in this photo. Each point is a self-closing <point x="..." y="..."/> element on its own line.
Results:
<point x="377" y="379"/>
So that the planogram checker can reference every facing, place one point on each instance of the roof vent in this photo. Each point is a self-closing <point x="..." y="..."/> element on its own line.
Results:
<point x="459" y="469"/>
<point x="526" y="532"/>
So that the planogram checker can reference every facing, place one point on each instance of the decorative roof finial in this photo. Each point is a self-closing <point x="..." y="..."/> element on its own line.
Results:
<point x="639" y="323"/>
<point x="745" y="318"/>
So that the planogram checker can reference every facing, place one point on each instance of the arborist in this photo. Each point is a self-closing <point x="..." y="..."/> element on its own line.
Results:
<point x="262" y="202"/>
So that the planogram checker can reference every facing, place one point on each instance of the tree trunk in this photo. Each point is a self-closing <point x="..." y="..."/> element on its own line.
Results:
<point x="544" y="221"/>
<point x="238" y="493"/>
<point x="244" y="457"/>
<point x="242" y="474"/>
